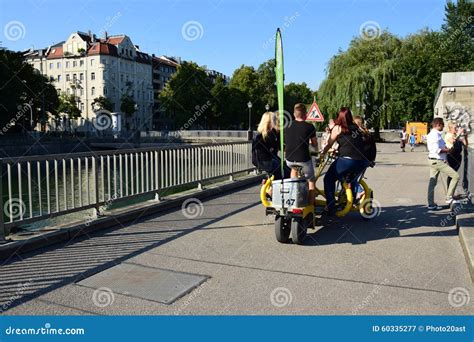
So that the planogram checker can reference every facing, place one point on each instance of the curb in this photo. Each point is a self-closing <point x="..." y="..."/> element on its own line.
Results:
<point x="465" y="226"/>
<point x="122" y="216"/>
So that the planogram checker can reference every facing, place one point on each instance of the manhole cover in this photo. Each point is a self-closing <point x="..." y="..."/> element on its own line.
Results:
<point x="145" y="282"/>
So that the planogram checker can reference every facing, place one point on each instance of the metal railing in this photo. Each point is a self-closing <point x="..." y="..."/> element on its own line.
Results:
<point x="35" y="188"/>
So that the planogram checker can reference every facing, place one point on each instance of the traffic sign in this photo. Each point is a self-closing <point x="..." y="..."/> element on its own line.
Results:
<point x="314" y="114"/>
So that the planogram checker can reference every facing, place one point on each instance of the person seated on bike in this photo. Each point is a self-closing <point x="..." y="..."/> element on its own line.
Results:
<point x="266" y="146"/>
<point x="351" y="159"/>
<point x="298" y="137"/>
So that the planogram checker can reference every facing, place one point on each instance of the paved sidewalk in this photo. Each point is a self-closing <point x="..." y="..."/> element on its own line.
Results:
<point x="405" y="261"/>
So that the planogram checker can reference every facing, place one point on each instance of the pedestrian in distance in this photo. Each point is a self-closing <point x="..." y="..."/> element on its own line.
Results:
<point x="412" y="141"/>
<point x="403" y="139"/>
<point x="437" y="157"/>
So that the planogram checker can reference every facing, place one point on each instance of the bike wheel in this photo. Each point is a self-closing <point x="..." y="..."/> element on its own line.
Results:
<point x="367" y="210"/>
<point x="282" y="229"/>
<point x="298" y="230"/>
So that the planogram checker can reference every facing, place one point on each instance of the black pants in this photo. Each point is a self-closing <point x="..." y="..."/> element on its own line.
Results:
<point x="455" y="162"/>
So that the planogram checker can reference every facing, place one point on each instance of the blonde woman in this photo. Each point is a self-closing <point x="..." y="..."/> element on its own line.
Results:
<point x="266" y="146"/>
<point x="454" y="141"/>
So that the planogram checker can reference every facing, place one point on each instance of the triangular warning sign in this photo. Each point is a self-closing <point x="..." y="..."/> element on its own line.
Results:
<point x="314" y="114"/>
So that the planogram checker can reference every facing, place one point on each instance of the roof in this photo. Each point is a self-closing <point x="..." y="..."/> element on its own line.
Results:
<point x="115" y="40"/>
<point x="55" y="52"/>
<point x="101" y="48"/>
<point x="143" y="58"/>
<point x="168" y="62"/>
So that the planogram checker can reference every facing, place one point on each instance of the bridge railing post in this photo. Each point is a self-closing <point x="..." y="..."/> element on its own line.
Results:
<point x="95" y="169"/>
<point x="231" y="162"/>
<point x="2" y="218"/>
<point x="200" y="167"/>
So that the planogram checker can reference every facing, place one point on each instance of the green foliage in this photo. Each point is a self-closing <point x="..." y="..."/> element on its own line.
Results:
<point x="103" y="103"/>
<point x="186" y="95"/>
<point x="23" y="85"/>
<point x="296" y="93"/>
<point x="68" y="105"/>
<point x="127" y="105"/>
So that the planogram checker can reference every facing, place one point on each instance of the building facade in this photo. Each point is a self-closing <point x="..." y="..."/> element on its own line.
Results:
<point x="88" y="67"/>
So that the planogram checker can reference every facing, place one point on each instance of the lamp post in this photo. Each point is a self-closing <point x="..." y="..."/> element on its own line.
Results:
<point x="249" y="133"/>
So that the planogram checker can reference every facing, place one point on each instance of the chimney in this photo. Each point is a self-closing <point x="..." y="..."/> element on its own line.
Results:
<point x="106" y="35"/>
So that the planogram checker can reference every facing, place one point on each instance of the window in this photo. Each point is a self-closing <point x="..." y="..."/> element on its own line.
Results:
<point x="81" y="92"/>
<point x="93" y="91"/>
<point x="67" y="64"/>
<point x="92" y="62"/>
<point x="113" y="76"/>
<point x="105" y="90"/>
<point x="92" y="75"/>
<point x="82" y="107"/>
<point x="58" y="65"/>
<point x="74" y="77"/>
<point x="81" y="76"/>
<point x="51" y="65"/>
<point x="81" y="62"/>
<point x="59" y="78"/>
<point x="68" y="91"/>
<point x="68" y="78"/>
<point x="121" y="77"/>
<point x="74" y="64"/>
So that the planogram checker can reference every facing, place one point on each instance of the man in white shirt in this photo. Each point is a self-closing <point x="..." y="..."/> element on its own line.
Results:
<point x="437" y="157"/>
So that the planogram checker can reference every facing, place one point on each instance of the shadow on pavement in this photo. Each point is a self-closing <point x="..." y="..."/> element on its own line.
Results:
<point x="397" y="219"/>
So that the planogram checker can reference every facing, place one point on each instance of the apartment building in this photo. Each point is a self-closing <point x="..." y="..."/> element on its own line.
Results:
<point x="89" y="67"/>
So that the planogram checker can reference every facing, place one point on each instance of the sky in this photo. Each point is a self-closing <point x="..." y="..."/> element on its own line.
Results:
<point x="221" y="34"/>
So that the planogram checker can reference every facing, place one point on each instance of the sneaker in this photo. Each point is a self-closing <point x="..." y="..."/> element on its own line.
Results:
<point x="451" y="200"/>
<point x="434" y="207"/>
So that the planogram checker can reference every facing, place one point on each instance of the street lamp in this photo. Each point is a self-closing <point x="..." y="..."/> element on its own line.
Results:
<point x="267" y="107"/>
<point x="249" y="133"/>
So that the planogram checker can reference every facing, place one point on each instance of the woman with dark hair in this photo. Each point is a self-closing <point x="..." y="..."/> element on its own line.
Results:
<point x="351" y="159"/>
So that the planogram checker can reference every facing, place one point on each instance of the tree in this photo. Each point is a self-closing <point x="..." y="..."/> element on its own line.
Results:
<point x="361" y="78"/>
<point x="267" y="83"/>
<point x="296" y="93"/>
<point x="68" y="105"/>
<point x="417" y="73"/>
<point x="186" y="95"/>
<point x="458" y="36"/>
<point x="103" y="103"/>
<point x="23" y="86"/>
<point x="127" y="107"/>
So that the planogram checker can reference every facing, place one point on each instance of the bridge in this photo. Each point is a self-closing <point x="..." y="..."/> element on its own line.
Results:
<point x="219" y="255"/>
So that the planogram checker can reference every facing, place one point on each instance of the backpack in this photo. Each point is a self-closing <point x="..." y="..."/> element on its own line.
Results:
<point x="255" y="142"/>
<point x="370" y="149"/>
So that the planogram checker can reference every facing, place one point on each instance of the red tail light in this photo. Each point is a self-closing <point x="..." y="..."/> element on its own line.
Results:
<point x="297" y="211"/>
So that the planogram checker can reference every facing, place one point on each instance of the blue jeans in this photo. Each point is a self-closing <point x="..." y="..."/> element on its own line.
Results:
<point x="338" y="170"/>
